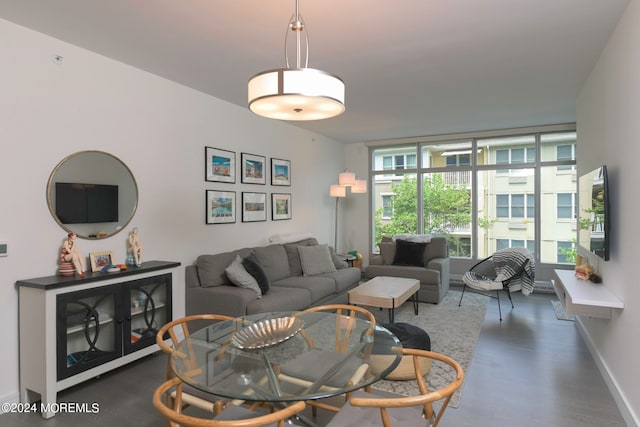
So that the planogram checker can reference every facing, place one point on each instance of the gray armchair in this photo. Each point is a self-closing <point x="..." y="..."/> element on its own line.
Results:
<point x="432" y="269"/>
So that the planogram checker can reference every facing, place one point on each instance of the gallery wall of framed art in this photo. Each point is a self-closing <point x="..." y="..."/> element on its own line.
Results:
<point x="222" y="206"/>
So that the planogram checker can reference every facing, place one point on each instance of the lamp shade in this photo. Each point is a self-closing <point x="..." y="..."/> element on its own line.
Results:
<point x="296" y="94"/>
<point x="347" y="179"/>
<point x="337" y="191"/>
<point x="360" y="186"/>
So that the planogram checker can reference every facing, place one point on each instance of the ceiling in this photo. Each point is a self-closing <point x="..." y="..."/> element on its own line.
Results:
<point x="411" y="67"/>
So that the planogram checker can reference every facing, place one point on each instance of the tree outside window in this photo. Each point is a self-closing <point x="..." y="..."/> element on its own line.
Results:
<point x="445" y="209"/>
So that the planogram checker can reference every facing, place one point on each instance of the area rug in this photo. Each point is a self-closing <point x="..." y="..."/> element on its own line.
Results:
<point x="560" y="313"/>
<point x="453" y="331"/>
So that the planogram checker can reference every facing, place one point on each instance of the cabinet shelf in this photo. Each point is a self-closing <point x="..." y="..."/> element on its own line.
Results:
<point x="80" y="327"/>
<point x="584" y="298"/>
<point x="140" y="310"/>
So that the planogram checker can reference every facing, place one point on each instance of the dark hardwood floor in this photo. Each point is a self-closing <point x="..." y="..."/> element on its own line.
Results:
<point x="529" y="370"/>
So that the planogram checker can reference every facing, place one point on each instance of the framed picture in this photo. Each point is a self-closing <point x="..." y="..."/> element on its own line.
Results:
<point x="253" y="169"/>
<point x="280" y="206"/>
<point x="221" y="207"/>
<point x="280" y="172"/>
<point x="219" y="165"/>
<point x="254" y="207"/>
<point x="100" y="260"/>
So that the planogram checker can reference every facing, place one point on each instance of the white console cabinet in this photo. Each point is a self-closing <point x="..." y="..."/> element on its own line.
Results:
<point x="75" y="328"/>
<point x="584" y="298"/>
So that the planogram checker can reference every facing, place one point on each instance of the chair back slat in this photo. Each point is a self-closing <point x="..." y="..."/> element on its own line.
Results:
<point x="424" y="400"/>
<point x="162" y="401"/>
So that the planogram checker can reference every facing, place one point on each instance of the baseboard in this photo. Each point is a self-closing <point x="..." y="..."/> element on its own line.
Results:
<point x="7" y="401"/>
<point x="621" y="401"/>
<point x="541" y="286"/>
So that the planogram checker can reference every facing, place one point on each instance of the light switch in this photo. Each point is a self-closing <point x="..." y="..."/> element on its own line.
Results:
<point x="4" y="248"/>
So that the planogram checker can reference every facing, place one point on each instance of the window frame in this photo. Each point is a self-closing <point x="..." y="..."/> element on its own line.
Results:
<point x="476" y="142"/>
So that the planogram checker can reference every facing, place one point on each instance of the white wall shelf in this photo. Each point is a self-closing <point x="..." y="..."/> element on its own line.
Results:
<point x="584" y="298"/>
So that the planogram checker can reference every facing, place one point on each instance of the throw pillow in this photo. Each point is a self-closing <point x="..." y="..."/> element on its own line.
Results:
<point x="316" y="260"/>
<point x="273" y="260"/>
<point x="409" y="253"/>
<point x="293" y="257"/>
<point x="239" y="276"/>
<point x="338" y="262"/>
<point x="416" y="238"/>
<point x="255" y="269"/>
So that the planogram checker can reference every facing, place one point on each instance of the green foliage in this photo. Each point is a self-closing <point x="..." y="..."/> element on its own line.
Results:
<point x="445" y="207"/>
<point x="485" y="222"/>
<point x="570" y="254"/>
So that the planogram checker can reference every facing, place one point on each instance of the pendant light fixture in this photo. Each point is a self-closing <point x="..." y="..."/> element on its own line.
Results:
<point x="299" y="93"/>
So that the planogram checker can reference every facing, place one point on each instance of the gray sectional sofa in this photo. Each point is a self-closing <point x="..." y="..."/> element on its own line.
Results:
<point x="432" y="271"/>
<point x="209" y="290"/>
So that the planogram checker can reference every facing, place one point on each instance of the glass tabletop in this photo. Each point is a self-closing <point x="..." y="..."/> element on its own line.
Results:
<point x="286" y="356"/>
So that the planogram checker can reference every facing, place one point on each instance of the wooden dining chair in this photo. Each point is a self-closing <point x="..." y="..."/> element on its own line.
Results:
<point x="178" y="330"/>
<point x="297" y="370"/>
<point x="407" y="411"/>
<point x="167" y="399"/>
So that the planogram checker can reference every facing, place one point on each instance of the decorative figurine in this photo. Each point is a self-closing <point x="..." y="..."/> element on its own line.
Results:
<point x="135" y="246"/>
<point x="70" y="254"/>
<point x="584" y="271"/>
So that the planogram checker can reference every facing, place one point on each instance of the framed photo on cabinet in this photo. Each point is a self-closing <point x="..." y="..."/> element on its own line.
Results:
<point x="219" y="165"/>
<point x="254" y="207"/>
<point x="220" y="207"/>
<point x="280" y="206"/>
<point x="100" y="260"/>
<point x="280" y="172"/>
<point x="253" y="169"/>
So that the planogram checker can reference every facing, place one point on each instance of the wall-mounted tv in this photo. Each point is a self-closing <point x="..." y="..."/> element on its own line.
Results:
<point x="594" y="218"/>
<point x="78" y="203"/>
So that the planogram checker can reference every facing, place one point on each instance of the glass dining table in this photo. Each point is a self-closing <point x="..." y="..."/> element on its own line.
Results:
<point x="286" y="356"/>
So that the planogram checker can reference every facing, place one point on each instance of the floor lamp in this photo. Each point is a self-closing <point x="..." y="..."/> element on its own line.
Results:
<point x="345" y="179"/>
<point x="337" y="191"/>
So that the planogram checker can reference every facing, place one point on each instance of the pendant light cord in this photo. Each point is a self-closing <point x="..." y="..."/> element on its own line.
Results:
<point x="297" y="24"/>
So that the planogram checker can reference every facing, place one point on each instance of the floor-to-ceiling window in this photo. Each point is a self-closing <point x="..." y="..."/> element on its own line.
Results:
<point x="482" y="192"/>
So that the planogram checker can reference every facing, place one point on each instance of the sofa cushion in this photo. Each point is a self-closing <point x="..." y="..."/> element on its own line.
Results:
<point x="210" y="268"/>
<point x="319" y="287"/>
<point x="316" y="260"/>
<point x="409" y="253"/>
<point x="293" y="257"/>
<point x="273" y="259"/>
<point x="256" y="271"/>
<point x="239" y="276"/>
<point x="345" y="278"/>
<point x="281" y="299"/>
<point x="388" y="251"/>
<point x="426" y="276"/>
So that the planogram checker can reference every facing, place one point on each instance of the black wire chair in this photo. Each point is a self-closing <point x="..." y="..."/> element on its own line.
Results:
<point x="499" y="272"/>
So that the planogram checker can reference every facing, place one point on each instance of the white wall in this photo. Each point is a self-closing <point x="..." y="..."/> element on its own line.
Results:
<point x="355" y="220"/>
<point x="608" y="112"/>
<point x="159" y="129"/>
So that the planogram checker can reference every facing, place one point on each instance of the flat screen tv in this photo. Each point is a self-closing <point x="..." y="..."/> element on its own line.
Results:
<point x="78" y="203"/>
<point x="594" y="216"/>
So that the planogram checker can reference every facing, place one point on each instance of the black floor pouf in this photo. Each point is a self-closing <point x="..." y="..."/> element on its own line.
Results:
<point x="410" y="336"/>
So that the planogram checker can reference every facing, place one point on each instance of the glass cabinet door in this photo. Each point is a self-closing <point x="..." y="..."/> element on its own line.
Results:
<point x="89" y="329"/>
<point x="148" y="302"/>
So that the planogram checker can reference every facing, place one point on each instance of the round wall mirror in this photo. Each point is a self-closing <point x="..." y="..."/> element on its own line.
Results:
<point x="93" y="194"/>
